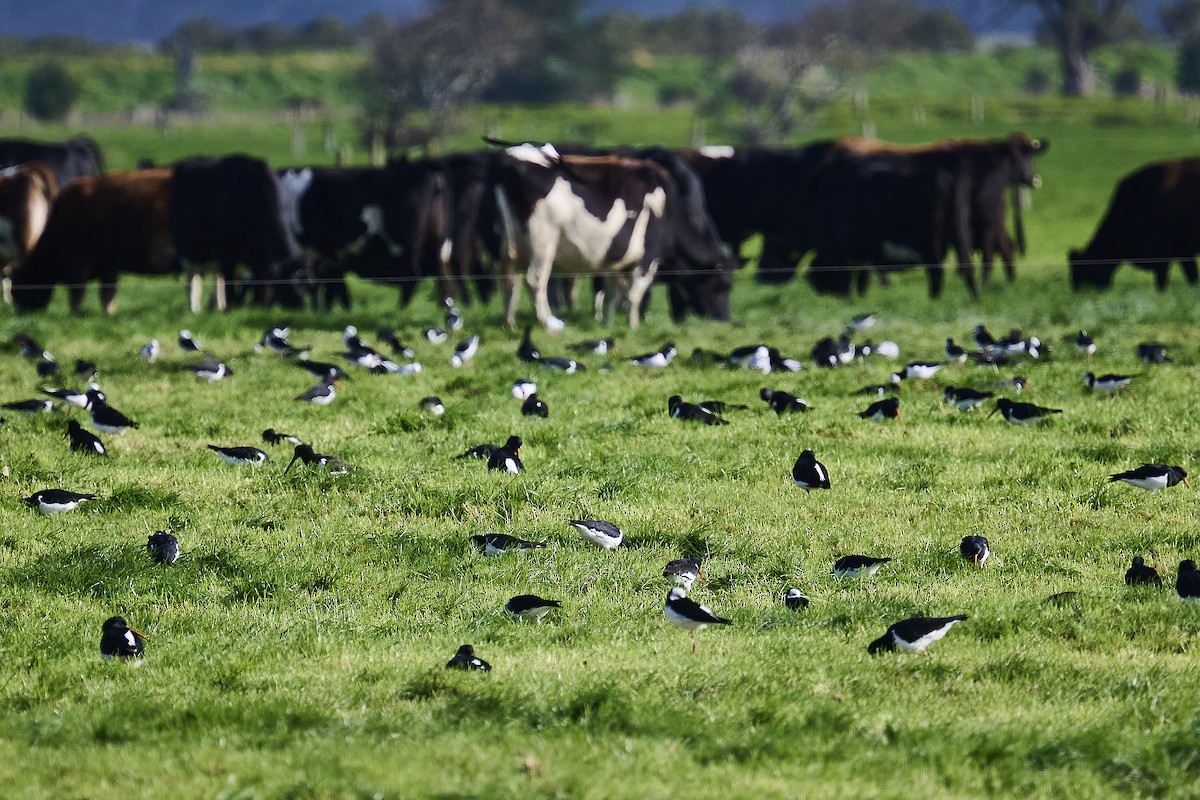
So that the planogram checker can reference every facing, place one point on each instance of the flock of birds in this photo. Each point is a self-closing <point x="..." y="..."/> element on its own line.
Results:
<point x="120" y="640"/>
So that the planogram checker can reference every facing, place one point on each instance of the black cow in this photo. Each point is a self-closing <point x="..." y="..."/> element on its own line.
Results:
<point x="228" y="212"/>
<point x="609" y="215"/>
<point x="75" y="158"/>
<point x="1150" y="222"/>
<point x="99" y="226"/>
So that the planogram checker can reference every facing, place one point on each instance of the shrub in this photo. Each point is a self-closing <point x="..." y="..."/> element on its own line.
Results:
<point x="50" y="93"/>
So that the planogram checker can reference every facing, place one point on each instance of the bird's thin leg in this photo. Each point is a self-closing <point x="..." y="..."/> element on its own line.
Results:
<point x="693" y="643"/>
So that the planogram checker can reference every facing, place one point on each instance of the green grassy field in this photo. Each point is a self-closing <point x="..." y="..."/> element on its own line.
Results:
<point x="297" y="648"/>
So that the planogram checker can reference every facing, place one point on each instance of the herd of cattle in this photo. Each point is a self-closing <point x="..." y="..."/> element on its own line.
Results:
<point x="625" y="217"/>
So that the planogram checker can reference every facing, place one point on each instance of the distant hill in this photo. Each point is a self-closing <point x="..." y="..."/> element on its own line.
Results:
<point x="147" y="21"/>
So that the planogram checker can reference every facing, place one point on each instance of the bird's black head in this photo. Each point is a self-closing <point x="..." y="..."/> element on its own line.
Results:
<point x="1138" y="561"/>
<point x="466" y="650"/>
<point x="882" y="644"/>
<point x="766" y="394"/>
<point x="1187" y="565"/>
<point x="115" y="624"/>
<point x="513" y="445"/>
<point x="73" y="426"/>
<point x="808" y="454"/>
<point x="304" y="453"/>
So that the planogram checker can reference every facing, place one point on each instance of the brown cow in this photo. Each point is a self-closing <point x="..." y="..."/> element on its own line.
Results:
<point x="98" y="227"/>
<point x="26" y="192"/>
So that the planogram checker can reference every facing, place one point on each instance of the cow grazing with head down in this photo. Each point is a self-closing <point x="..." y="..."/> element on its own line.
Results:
<point x="1151" y="221"/>
<point x="614" y="216"/>
<point x="78" y="157"/>
<point x="228" y="212"/>
<point x="26" y="193"/>
<point x="98" y="227"/>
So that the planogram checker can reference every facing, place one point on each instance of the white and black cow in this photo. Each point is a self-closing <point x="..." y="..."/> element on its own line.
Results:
<point x="585" y="215"/>
<point x="75" y="158"/>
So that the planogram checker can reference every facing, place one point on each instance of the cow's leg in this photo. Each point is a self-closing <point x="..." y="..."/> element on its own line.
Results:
<point x="1189" y="270"/>
<point x="75" y="292"/>
<point x="936" y="275"/>
<point x="1160" y="275"/>
<point x="512" y="286"/>
<point x="1004" y="244"/>
<point x="638" y="287"/>
<point x="538" y="278"/>
<point x="7" y="283"/>
<point x="108" y="297"/>
<point x="195" y="291"/>
<point x="220" y="292"/>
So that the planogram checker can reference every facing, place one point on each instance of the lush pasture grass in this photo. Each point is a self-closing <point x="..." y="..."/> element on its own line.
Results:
<point x="296" y="649"/>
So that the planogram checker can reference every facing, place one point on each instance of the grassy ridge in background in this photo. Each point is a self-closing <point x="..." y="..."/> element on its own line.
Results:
<point x="296" y="650"/>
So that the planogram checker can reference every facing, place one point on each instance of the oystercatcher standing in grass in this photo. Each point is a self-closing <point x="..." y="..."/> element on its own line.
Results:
<point x="240" y="455"/>
<point x="84" y="441"/>
<point x="782" y="402"/>
<point x="964" y="398"/>
<point x="656" y="360"/>
<point x="433" y="405"/>
<point x="1085" y="345"/>
<point x="149" y="351"/>
<point x="466" y="659"/>
<point x="507" y="458"/>
<point x="686" y="613"/>
<point x="1109" y="384"/>
<point x="1152" y="477"/>
<point x="955" y="352"/>
<point x="529" y="607"/>
<point x="465" y="351"/>
<point x="118" y="640"/>
<point x="599" y="532"/>
<point x="106" y="418"/>
<point x="795" y="599"/>
<point x="975" y="549"/>
<point x="209" y="370"/>
<point x="163" y="548"/>
<point x="914" y="635"/>
<point x="497" y="544"/>
<point x="684" y="572"/>
<point x="1187" y="581"/>
<point x="188" y="344"/>
<point x="331" y="464"/>
<point x="321" y="395"/>
<point x="857" y="566"/>
<point x="1022" y="413"/>
<point x="808" y="473"/>
<point x="888" y="408"/>
<point x="1139" y="574"/>
<point x="56" y="501"/>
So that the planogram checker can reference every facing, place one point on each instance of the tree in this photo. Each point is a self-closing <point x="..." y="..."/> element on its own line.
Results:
<point x="1076" y="28"/>
<point x="435" y="64"/>
<point x="50" y="92"/>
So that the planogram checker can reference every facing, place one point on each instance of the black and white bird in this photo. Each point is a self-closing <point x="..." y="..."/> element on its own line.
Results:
<point x="914" y="635"/>
<point x="322" y="369"/>
<point x="436" y="335"/>
<point x="795" y="599"/>
<point x="31" y="349"/>
<point x="529" y="607"/>
<point x="1017" y="383"/>
<point x="56" y="501"/>
<point x="497" y="544"/>
<point x="454" y="320"/>
<point x="149" y="351"/>
<point x="692" y="412"/>
<point x="209" y="370"/>
<point x="751" y="356"/>
<point x="1109" y="384"/>
<point x="917" y="370"/>
<point x="686" y="613"/>
<point x="656" y="360"/>
<point x="187" y="343"/>
<point x="45" y="369"/>
<point x="118" y="640"/>
<point x="163" y="548"/>
<point x="888" y="408"/>
<point x="34" y="406"/>
<point x="808" y="473"/>
<point x="983" y="339"/>
<point x="466" y="659"/>
<point x="684" y="571"/>
<point x="84" y="370"/>
<point x="534" y="406"/>
<point x="595" y="347"/>
<point x="320" y="395"/>
<point x="270" y="436"/>
<point x="964" y="398"/>
<point x="1139" y="574"/>
<point x="388" y="336"/>
<point x="527" y="351"/>
<point x="782" y="402"/>
<point x="857" y="566"/>
<point x="1152" y="477"/>
<point x="84" y="441"/>
<point x="975" y="549"/>
<point x="564" y="364"/>
<point x="1085" y="345"/>
<point x="72" y="396"/>
<point x="106" y="418"/>
<point x="522" y="388"/>
<point x="507" y="457"/>
<point x="278" y="340"/>
<point x="432" y="405"/>
<point x="1022" y="413"/>
<point x="862" y="322"/>
<point x="480" y="451"/>
<point x="240" y="455"/>
<point x="955" y="352"/>
<point x="599" y="532"/>
<point x="465" y="351"/>
<point x="1187" y="582"/>
<point x="1152" y="353"/>
<point x="331" y="464"/>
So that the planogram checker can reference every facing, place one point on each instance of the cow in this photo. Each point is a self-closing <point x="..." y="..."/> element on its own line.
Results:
<point x="230" y="211"/>
<point x="609" y="215"/>
<point x="26" y="193"/>
<point x="78" y="157"/>
<point x="1150" y="222"/>
<point x="98" y="227"/>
